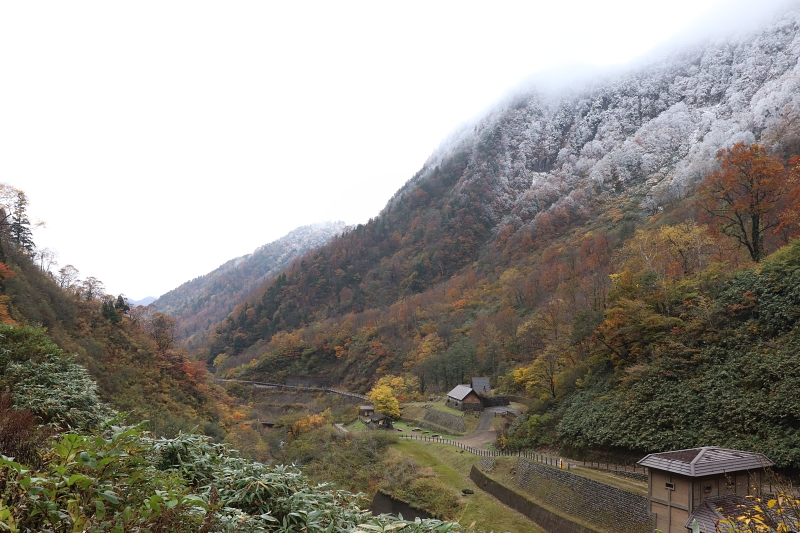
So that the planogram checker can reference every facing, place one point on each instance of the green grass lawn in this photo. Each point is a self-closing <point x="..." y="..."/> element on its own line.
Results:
<point x="358" y="425"/>
<point x="452" y="467"/>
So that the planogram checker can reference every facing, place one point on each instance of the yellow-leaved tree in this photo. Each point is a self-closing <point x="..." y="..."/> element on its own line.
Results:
<point x="384" y="401"/>
<point x="310" y="423"/>
<point x="405" y="388"/>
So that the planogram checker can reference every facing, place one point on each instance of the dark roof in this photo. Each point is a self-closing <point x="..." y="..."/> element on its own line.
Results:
<point x="460" y="392"/>
<point x="366" y="408"/>
<point x="377" y="417"/>
<point x="480" y="384"/>
<point x="709" y="513"/>
<point x="705" y="461"/>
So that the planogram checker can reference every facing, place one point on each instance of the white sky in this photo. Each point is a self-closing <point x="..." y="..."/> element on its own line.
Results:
<point x="160" y="139"/>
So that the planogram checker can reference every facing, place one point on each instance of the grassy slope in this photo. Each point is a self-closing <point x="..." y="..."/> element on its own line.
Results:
<point x="452" y="468"/>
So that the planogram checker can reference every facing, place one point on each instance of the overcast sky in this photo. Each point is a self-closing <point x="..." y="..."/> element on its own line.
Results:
<point x="160" y="139"/>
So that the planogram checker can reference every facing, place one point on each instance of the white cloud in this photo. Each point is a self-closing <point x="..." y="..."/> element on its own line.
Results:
<point x="160" y="139"/>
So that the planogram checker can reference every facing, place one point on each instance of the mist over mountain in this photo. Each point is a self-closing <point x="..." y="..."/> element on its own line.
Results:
<point x="207" y="299"/>
<point x="654" y="130"/>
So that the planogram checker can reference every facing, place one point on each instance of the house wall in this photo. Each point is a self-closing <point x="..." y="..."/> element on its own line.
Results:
<point x="471" y="402"/>
<point x="671" y="507"/>
<point x="740" y="483"/>
<point x="472" y="398"/>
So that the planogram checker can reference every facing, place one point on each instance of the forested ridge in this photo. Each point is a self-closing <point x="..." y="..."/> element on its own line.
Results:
<point x="202" y="302"/>
<point x="137" y="368"/>
<point x="571" y="246"/>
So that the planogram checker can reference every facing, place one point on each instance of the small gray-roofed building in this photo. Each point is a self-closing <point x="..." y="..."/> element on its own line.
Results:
<point x="481" y="385"/>
<point x="680" y="483"/>
<point x="459" y="392"/>
<point x="464" y="398"/>
<point x="380" y="420"/>
<point x="706" y="461"/>
<point x="366" y="410"/>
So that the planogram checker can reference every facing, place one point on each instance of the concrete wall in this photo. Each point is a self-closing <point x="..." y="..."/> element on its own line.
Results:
<point x="609" y="508"/>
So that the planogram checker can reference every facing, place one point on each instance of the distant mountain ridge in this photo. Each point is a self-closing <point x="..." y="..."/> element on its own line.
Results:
<point x="208" y="299"/>
<point x="147" y="300"/>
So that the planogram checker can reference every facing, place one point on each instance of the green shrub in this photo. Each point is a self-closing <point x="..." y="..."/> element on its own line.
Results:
<point x="120" y="480"/>
<point x="432" y="495"/>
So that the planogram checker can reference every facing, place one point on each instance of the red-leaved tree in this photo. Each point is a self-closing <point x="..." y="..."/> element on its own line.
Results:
<point x="747" y="196"/>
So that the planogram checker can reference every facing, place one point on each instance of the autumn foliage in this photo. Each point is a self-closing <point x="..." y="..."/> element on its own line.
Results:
<point x="749" y="196"/>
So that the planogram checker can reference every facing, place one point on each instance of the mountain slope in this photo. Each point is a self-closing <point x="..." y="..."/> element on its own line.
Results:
<point x="559" y="247"/>
<point x="206" y="300"/>
<point x="133" y="375"/>
<point x="537" y="165"/>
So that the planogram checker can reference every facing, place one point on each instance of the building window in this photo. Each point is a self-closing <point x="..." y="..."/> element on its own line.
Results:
<point x="670" y="486"/>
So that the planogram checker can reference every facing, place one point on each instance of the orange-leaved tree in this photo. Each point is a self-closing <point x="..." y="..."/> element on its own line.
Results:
<point x="746" y="196"/>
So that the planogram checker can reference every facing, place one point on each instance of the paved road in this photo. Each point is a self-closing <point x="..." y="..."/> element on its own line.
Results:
<point x="486" y="421"/>
<point x="483" y="434"/>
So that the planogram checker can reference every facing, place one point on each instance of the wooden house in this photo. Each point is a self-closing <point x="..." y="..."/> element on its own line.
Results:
<point x="481" y="386"/>
<point x="380" y="421"/>
<point x="464" y="398"/>
<point x="366" y="410"/>
<point x="700" y="484"/>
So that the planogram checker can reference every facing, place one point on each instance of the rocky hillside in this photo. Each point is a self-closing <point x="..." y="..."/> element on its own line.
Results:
<point x="206" y="300"/>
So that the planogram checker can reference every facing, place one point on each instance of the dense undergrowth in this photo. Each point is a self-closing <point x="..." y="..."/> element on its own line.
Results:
<point x="68" y="464"/>
<point x="119" y="479"/>
<point x="365" y="462"/>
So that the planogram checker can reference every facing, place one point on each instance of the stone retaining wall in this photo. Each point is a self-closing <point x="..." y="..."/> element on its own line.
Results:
<point x="431" y="427"/>
<point x="494" y="401"/>
<point x="609" y="508"/>
<point x="446" y="420"/>
<point x="549" y="521"/>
